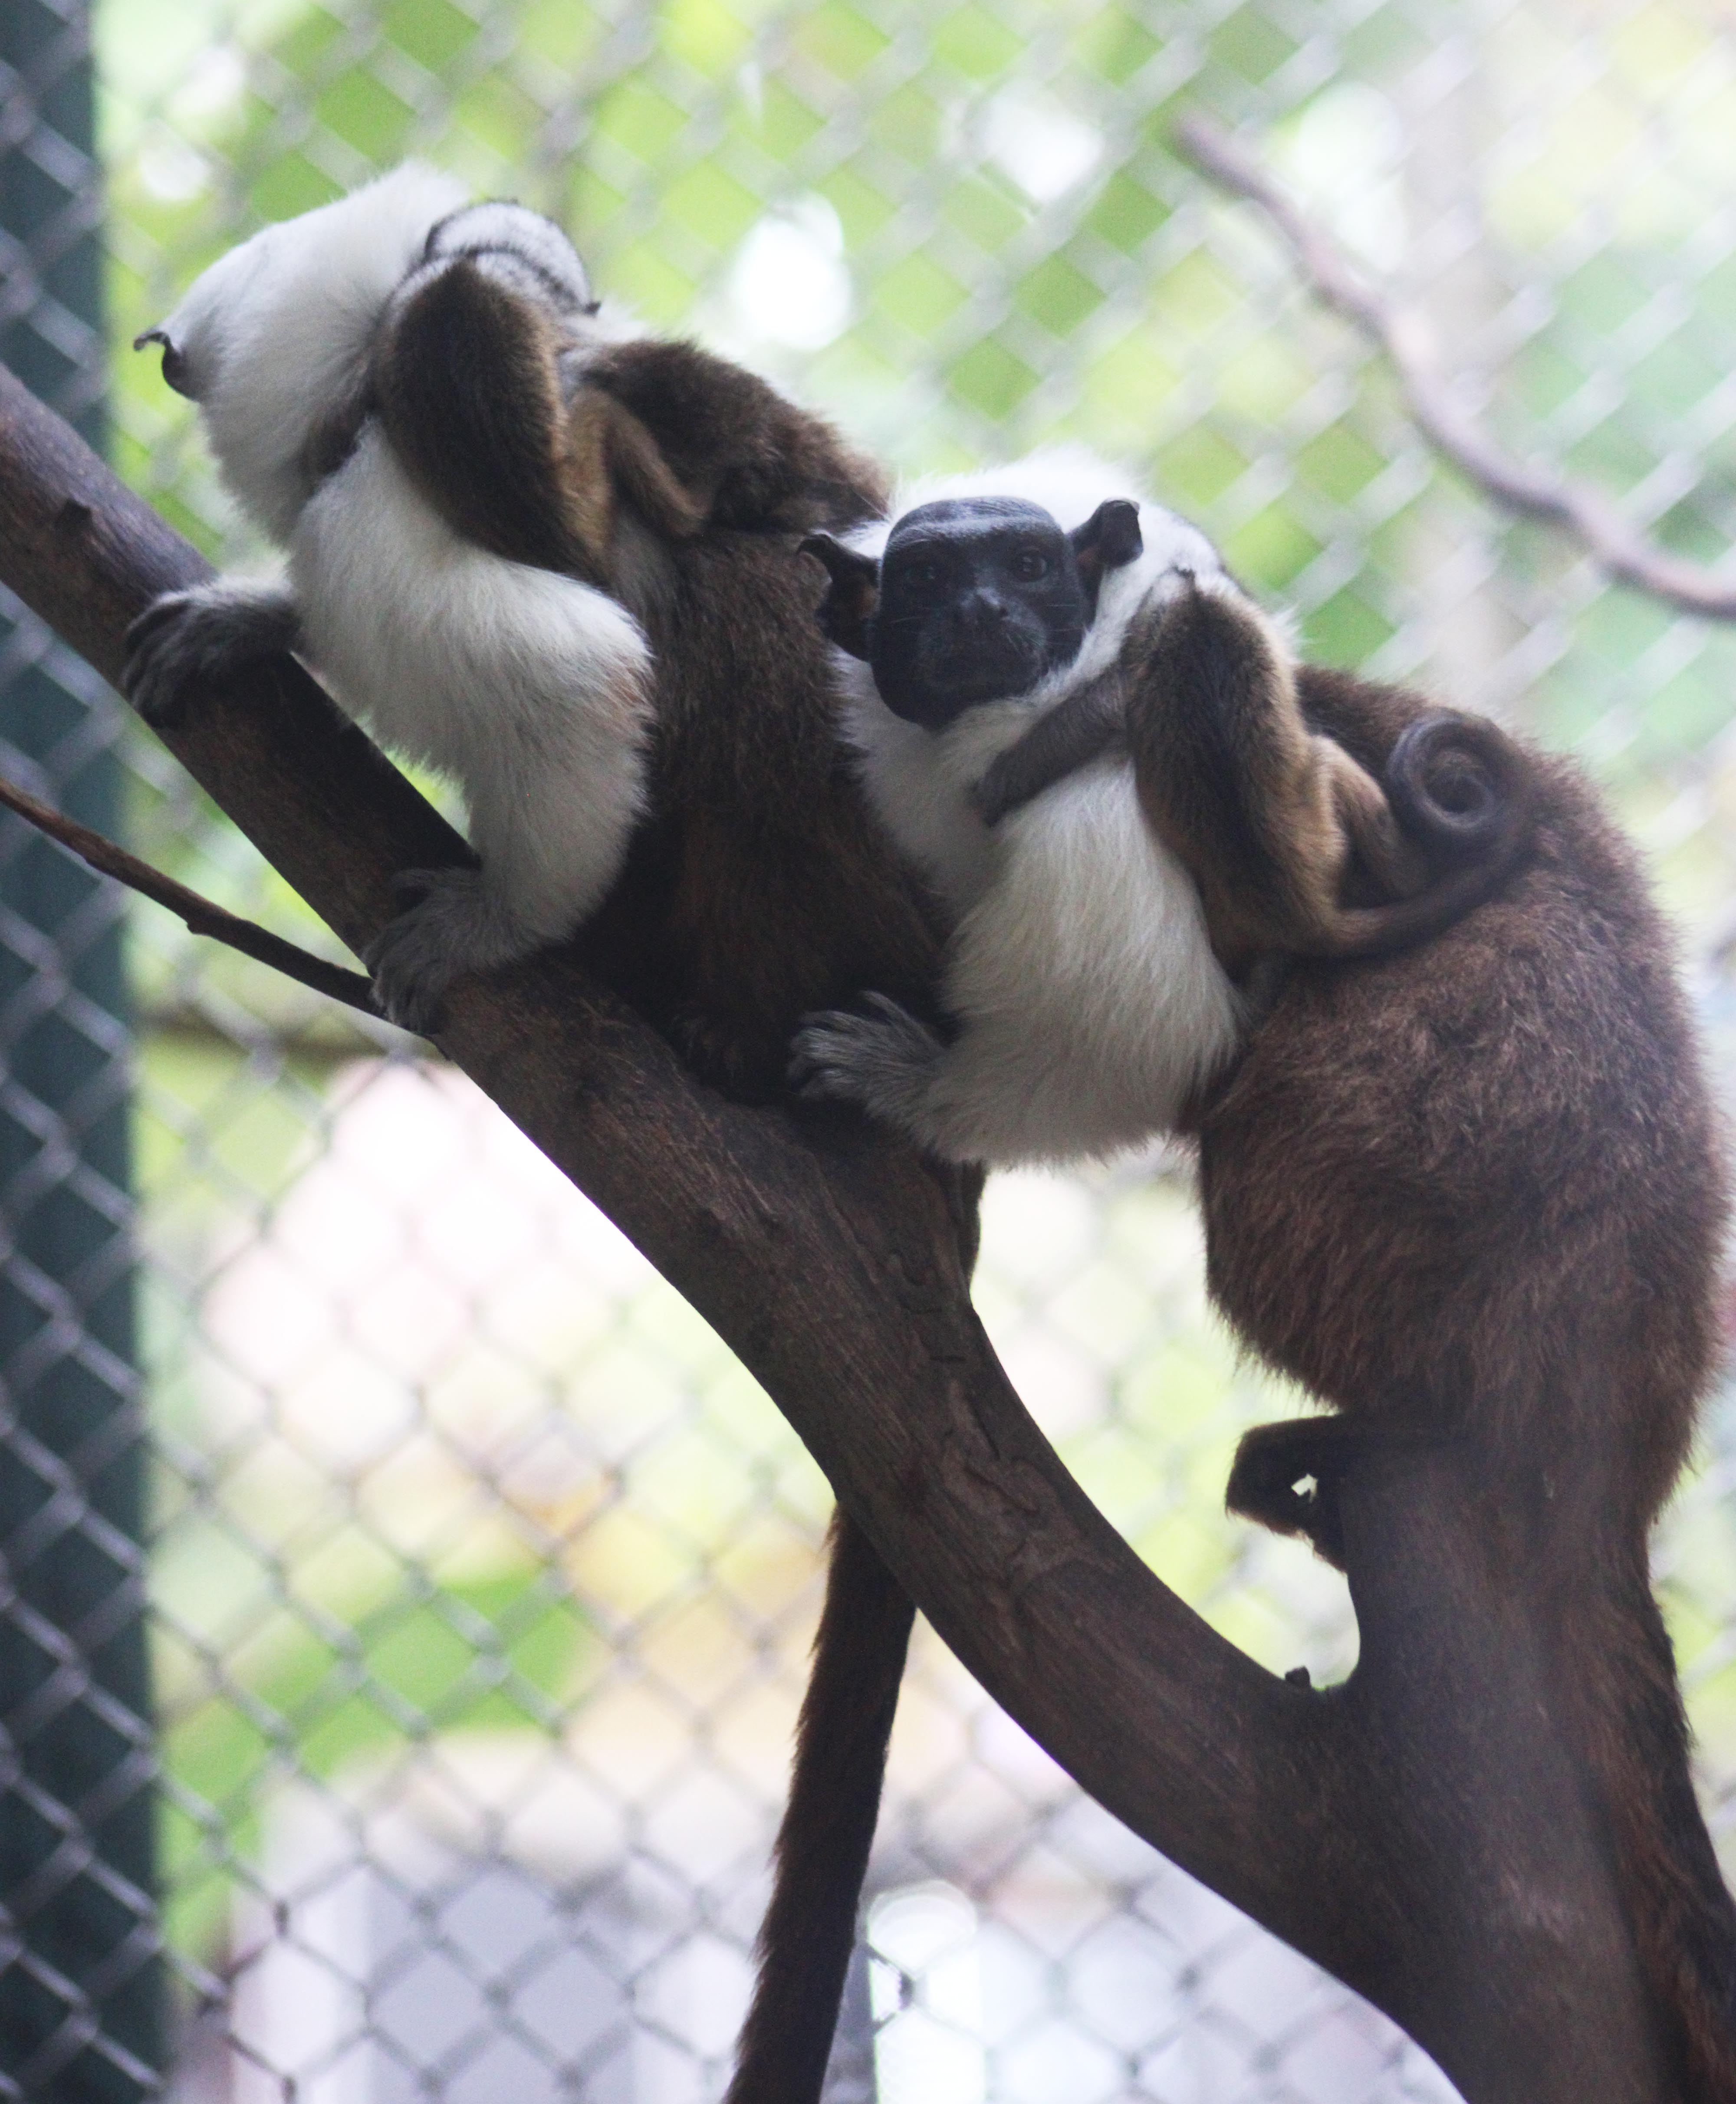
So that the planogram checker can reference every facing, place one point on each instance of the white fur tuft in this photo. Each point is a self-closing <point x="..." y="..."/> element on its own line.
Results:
<point x="277" y="331"/>
<point x="1091" y="1004"/>
<point x="532" y="688"/>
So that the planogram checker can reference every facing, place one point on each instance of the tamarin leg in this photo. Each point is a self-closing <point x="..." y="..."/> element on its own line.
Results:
<point x="1285" y="1476"/>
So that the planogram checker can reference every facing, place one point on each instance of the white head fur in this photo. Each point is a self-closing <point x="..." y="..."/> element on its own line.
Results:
<point x="918" y="779"/>
<point x="275" y="333"/>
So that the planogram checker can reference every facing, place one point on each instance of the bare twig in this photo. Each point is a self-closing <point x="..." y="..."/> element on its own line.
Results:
<point x="1404" y="341"/>
<point x="200" y="914"/>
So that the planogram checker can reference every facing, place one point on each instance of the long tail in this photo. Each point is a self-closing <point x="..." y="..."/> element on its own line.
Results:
<point x="1619" y="1685"/>
<point x="822" y="1850"/>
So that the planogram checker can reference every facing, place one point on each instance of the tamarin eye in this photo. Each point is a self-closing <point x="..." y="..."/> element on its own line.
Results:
<point x="1028" y="565"/>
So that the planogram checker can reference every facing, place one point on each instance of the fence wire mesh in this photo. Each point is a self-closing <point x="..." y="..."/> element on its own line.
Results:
<point x="481" y="1576"/>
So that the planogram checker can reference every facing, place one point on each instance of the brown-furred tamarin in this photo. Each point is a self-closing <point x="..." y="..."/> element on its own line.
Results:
<point x="1479" y="1188"/>
<point x="1474" y="1189"/>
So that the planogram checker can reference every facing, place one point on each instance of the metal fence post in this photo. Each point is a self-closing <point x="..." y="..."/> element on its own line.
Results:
<point x="80" y="1981"/>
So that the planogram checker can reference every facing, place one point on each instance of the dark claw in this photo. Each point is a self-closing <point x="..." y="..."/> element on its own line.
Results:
<point x="159" y="613"/>
<point x="808" y="1073"/>
<point x="889" y="1010"/>
<point x="156" y="671"/>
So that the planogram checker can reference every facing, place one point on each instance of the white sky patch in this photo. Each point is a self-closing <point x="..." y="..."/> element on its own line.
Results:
<point x="789" y="282"/>
<point x="925" y="1986"/>
<point x="213" y="86"/>
<point x="1037" y="144"/>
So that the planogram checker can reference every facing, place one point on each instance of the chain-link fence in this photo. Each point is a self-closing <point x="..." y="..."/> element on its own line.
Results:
<point x="480" y="1577"/>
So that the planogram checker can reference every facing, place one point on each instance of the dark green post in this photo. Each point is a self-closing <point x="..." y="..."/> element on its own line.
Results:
<point x="80" y="1979"/>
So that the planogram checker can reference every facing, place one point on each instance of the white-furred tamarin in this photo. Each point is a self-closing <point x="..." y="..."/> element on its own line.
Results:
<point x="531" y="689"/>
<point x="1095" y="980"/>
<point x="423" y="390"/>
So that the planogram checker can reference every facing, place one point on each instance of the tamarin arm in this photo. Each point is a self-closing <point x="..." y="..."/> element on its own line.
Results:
<point x="468" y="389"/>
<point x="1228" y="772"/>
<point x="1077" y="730"/>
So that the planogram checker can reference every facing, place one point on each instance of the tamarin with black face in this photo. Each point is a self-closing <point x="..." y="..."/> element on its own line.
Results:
<point x="1473" y="1188"/>
<point x="1093" y="981"/>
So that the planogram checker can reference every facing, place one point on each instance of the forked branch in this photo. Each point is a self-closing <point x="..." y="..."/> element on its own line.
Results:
<point x="1418" y="1831"/>
<point x="1406" y="342"/>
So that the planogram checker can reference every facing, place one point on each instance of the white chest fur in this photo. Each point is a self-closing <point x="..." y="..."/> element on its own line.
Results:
<point x="1089" y="1001"/>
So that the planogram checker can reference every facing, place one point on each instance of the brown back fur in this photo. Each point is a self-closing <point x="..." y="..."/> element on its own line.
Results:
<point x="758" y="889"/>
<point x="1479" y="1186"/>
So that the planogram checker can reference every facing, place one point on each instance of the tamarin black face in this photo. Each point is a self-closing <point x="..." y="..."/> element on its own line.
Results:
<point x="975" y="599"/>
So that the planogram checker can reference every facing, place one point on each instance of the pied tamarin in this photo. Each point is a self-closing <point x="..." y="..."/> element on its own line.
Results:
<point x="1095" y="979"/>
<point x="558" y="561"/>
<point x="1474" y="1189"/>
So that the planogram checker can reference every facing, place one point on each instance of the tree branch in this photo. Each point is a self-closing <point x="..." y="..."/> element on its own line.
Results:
<point x="201" y="914"/>
<point x="1419" y="1831"/>
<point x="1405" y="341"/>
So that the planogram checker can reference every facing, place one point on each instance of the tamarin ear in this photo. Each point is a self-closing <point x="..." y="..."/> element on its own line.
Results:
<point x="1108" y="539"/>
<point x="849" y="605"/>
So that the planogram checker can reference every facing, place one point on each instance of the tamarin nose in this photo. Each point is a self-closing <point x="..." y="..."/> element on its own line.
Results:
<point x="983" y="612"/>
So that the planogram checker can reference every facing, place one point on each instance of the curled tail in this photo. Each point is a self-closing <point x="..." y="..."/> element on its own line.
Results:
<point x="1462" y="792"/>
<point x="823" y="1845"/>
<point x="1619" y="1688"/>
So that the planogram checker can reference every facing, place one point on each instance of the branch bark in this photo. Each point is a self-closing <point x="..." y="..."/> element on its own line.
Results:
<point x="1404" y="341"/>
<point x="1419" y="1831"/>
<point x="201" y="915"/>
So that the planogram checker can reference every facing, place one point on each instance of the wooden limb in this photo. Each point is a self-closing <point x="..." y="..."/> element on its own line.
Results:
<point x="1404" y="341"/>
<point x="200" y="914"/>
<point x="1406" y="1831"/>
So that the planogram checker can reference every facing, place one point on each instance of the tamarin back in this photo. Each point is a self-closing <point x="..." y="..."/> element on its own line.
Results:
<point x="1479" y="1188"/>
<point x="1504" y="1174"/>
<point x="760" y="875"/>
